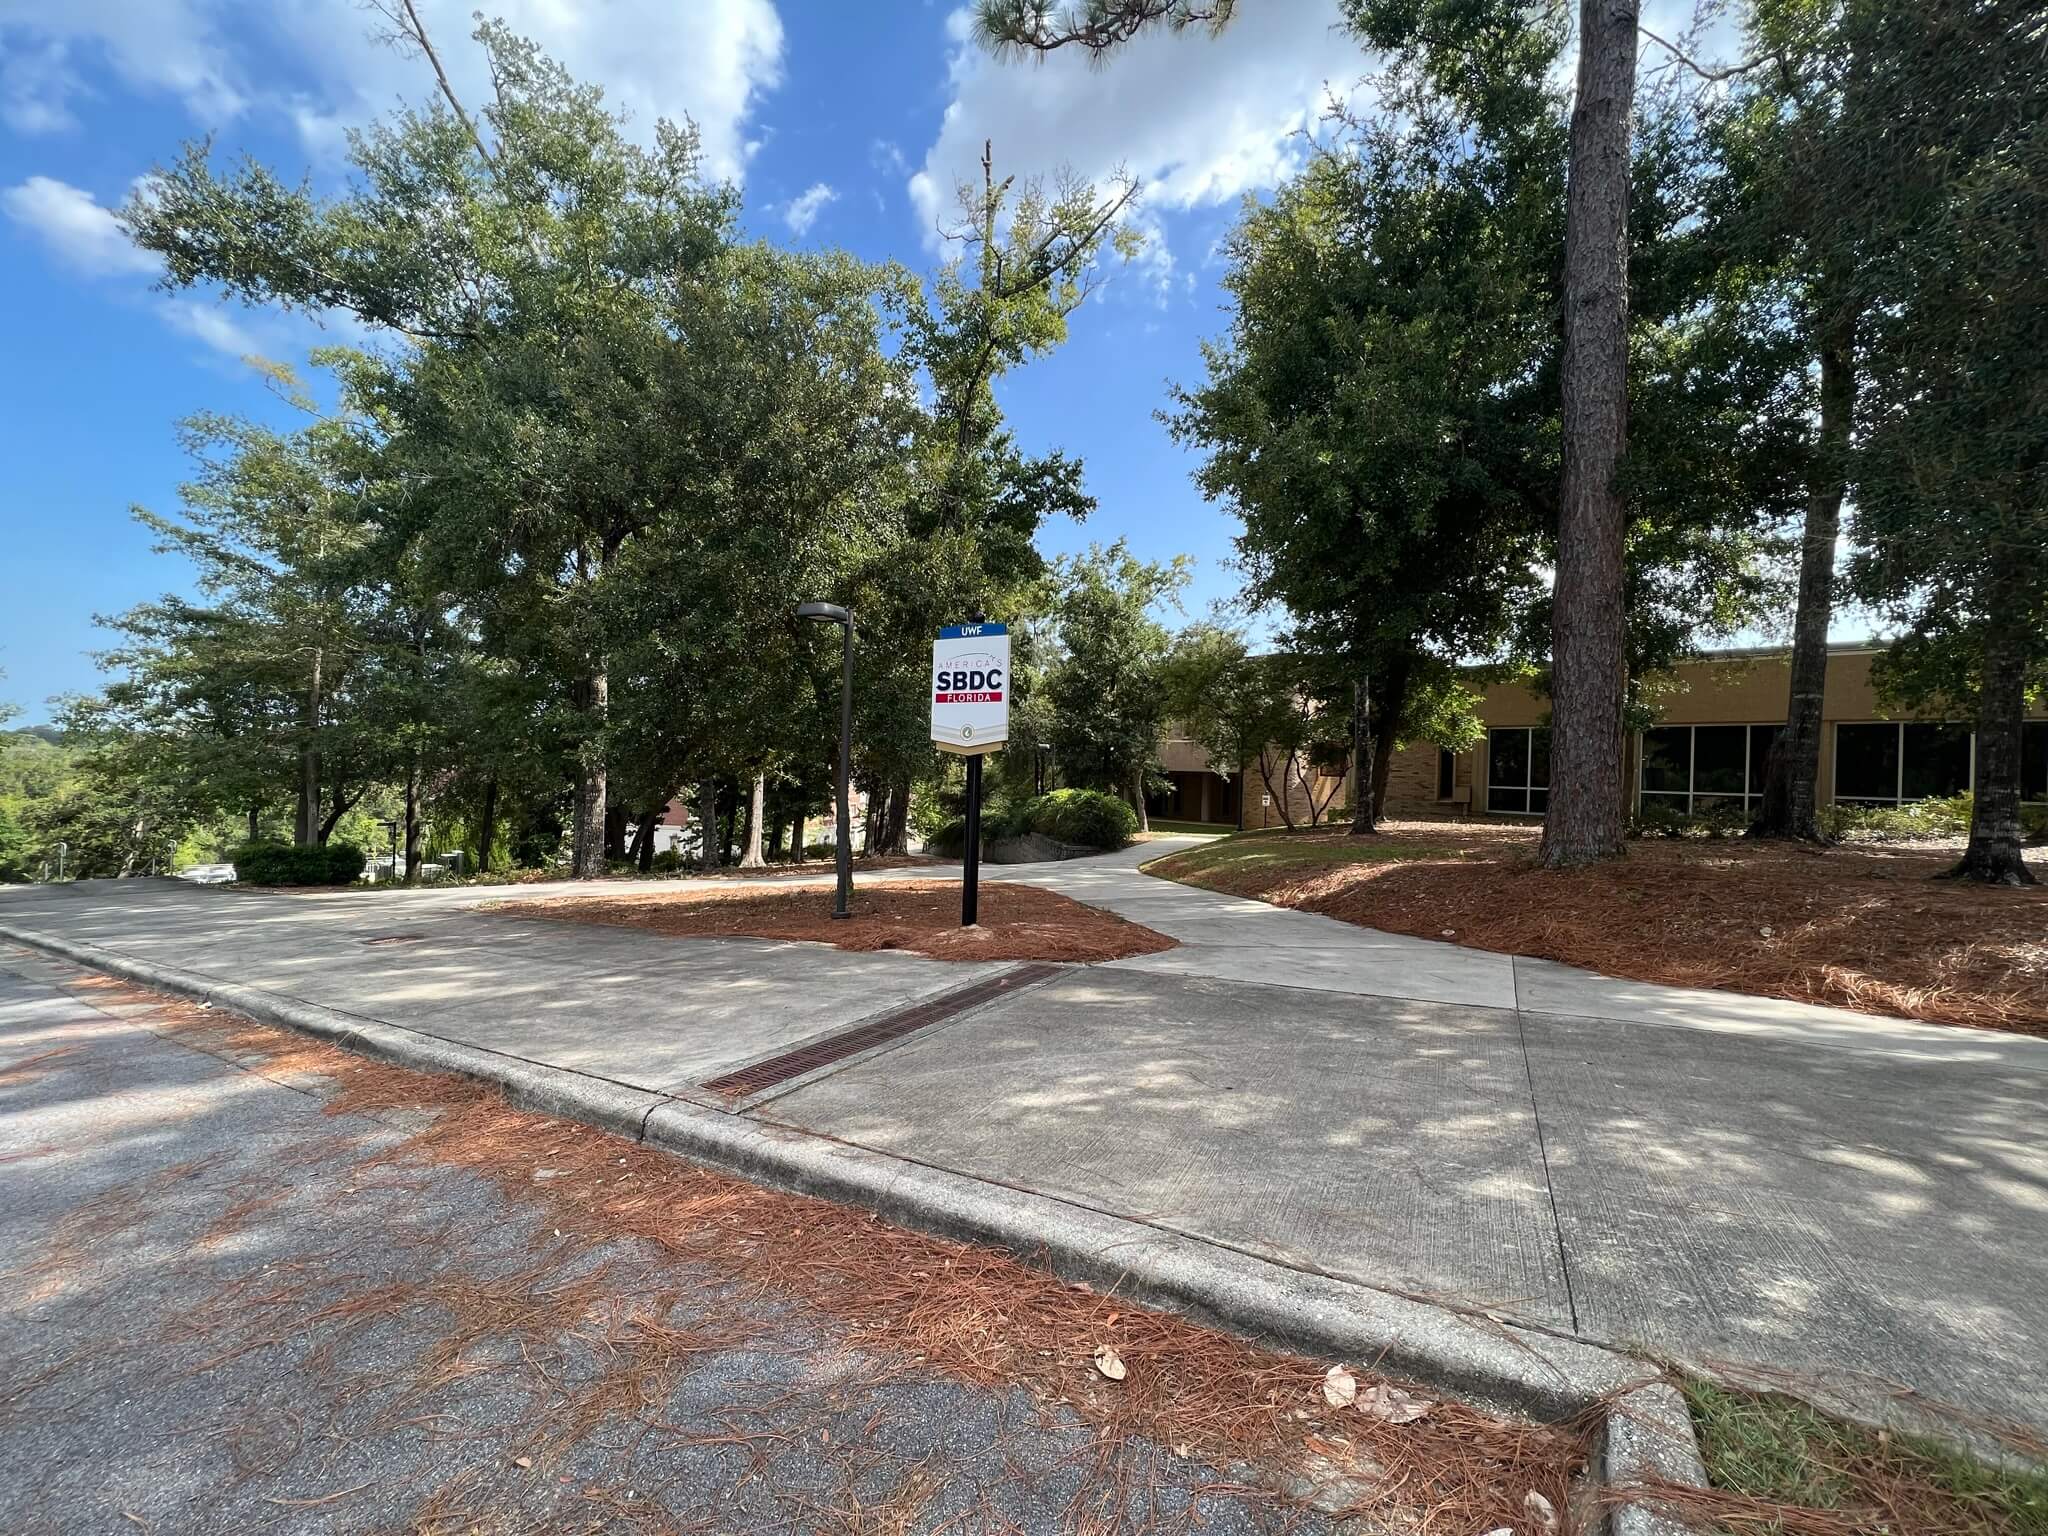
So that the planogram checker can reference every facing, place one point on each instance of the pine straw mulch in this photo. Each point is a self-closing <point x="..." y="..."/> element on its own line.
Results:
<point x="909" y="1306"/>
<point x="1858" y="926"/>
<point x="1017" y="922"/>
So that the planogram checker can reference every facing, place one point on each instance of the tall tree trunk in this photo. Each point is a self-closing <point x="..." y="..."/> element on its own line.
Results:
<point x="796" y="839"/>
<point x="707" y="824"/>
<point x="487" y="829"/>
<point x="874" y="819"/>
<point x="1390" y="718"/>
<point x="643" y="839"/>
<point x="307" y="832"/>
<point x="1364" y="803"/>
<point x="1791" y="800"/>
<point x="412" y="822"/>
<point x="1586" y="642"/>
<point x="338" y="807"/>
<point x="1994" y="852"/>
<point x="1138" y="799"/>
<point x="895" y="833"/>
<point x="255" y="822"/>
<point x="757" y="811"/>
<point x="614" y="833"/>
<point x="595" y="694"/>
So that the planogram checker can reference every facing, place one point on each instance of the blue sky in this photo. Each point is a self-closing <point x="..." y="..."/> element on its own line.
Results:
<point x="843" y="125"/>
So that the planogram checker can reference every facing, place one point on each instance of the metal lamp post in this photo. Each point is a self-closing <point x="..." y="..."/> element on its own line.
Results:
<point x="832" y="613"/>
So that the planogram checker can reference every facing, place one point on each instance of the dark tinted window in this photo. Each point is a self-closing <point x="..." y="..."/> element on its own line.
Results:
<point x="1719" y="755"/>
<point x="1665" y="765"/>
<point x="1446" y="774"/>
<point x="1508" y="757"/>
<point x="1866" y="762"/>
<point x="1539" y="766"/>
<point x="1937" y="761"/>
<point x="2034" y="760"/>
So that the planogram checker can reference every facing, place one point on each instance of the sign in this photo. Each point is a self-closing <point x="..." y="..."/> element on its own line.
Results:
<point x="971" y="688"/>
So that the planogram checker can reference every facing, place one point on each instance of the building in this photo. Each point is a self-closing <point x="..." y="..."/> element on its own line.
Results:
<point x="1705" y="754"/>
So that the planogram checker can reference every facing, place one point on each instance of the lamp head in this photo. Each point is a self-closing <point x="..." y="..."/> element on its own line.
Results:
<point x="831" y="613"/>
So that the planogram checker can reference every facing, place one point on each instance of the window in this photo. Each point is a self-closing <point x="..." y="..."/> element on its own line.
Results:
<point x="1446" y="773"/>
<point x="2034" y="760"/>
<point x="1694" y="769"/>
<point x="1884" y="764"/>
<point x="1518" y="770"/>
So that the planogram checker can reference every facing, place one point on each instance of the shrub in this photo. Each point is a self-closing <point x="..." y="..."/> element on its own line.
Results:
<point x="285" y="864"/>
<point x="1084" y="816"/>
<point x="667" y="862"/>
<point x="1919" y="818"/>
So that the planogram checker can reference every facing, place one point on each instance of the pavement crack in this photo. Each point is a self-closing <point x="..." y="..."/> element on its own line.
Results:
<point x="1564" y="1263"/>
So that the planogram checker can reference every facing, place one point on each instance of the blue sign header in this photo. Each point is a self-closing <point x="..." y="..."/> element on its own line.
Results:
<point x="972" y="631"/>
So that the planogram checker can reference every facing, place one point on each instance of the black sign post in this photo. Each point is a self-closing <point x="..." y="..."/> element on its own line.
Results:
<point x="970" y="877"/>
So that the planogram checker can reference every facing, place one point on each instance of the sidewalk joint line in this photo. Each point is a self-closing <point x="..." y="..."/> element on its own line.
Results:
<point x="1564" y="1262"/>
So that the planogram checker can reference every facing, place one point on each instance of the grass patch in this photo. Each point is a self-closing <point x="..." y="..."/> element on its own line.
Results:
<point x="1269" y="853"/>
<point x="1799" y="1470"/>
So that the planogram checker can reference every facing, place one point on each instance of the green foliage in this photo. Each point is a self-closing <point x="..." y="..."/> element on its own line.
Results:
<point x="1081" y="816"/>
<point x="1085" y="818"/>
<point x="1105" y="688"/>
<point x="1945" y="818"/>
<point x="285" y="864"/>
<point x="1776" y="1448"/>
<point x="1656" y="819"/>
<point x="556" y="535"/>
<point x="667" y="862"/>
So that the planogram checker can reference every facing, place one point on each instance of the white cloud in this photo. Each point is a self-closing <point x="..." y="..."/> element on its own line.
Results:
<point x="211" y="324"/>
<point x="709" y="60"/>
<point x="81" y="233"/>
<point x="802" y="211"/>
<point x="1201" y="120"/>
<point x="75" y="228"/>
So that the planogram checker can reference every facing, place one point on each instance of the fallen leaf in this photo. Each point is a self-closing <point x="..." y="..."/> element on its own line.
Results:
<point x="1183" y="1450"/>
<point x="1540" y="1511"/>
<point x="522" y="1461"/>
<point x="1393" y="1405"/>
<point x="1340" y="1387"/>
<point x="1109" y="1363"/>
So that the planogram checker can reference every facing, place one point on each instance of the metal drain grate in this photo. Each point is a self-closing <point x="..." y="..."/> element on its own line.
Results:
<point x="789" y="1065"/>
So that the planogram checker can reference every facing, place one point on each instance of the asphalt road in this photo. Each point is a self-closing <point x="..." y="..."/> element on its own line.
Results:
<point x="222" y="1310"/>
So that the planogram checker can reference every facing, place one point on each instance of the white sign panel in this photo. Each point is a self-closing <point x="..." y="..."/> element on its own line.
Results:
<point x="971" y="688"/>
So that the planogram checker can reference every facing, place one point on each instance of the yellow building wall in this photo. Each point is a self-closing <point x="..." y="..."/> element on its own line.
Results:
<point x="1732" y="690"/>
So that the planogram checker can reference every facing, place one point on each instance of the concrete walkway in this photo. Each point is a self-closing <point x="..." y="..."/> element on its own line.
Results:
<point x="1857" y="1200"/>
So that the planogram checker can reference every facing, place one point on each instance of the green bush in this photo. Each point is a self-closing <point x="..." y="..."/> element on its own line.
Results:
<point x="1919" y="818"/>
<point x="285" y="864"/>
<point x="667" y="862"/>
<point x="1655" y="818"/>
<point x="1083" y="816"/>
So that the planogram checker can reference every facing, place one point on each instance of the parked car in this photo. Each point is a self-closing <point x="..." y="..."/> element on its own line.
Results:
<point x="207" y="874"/>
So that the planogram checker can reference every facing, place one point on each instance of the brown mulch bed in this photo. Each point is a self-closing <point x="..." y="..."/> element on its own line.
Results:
<point x="1859" y="926"/>
<point x="1017" y="922"/>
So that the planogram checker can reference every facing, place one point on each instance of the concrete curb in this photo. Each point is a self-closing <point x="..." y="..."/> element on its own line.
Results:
<point x="1480" y="1357"/>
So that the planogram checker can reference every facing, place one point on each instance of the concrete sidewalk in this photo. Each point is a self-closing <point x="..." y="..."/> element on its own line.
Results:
<point x="1706" y="1175"/>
